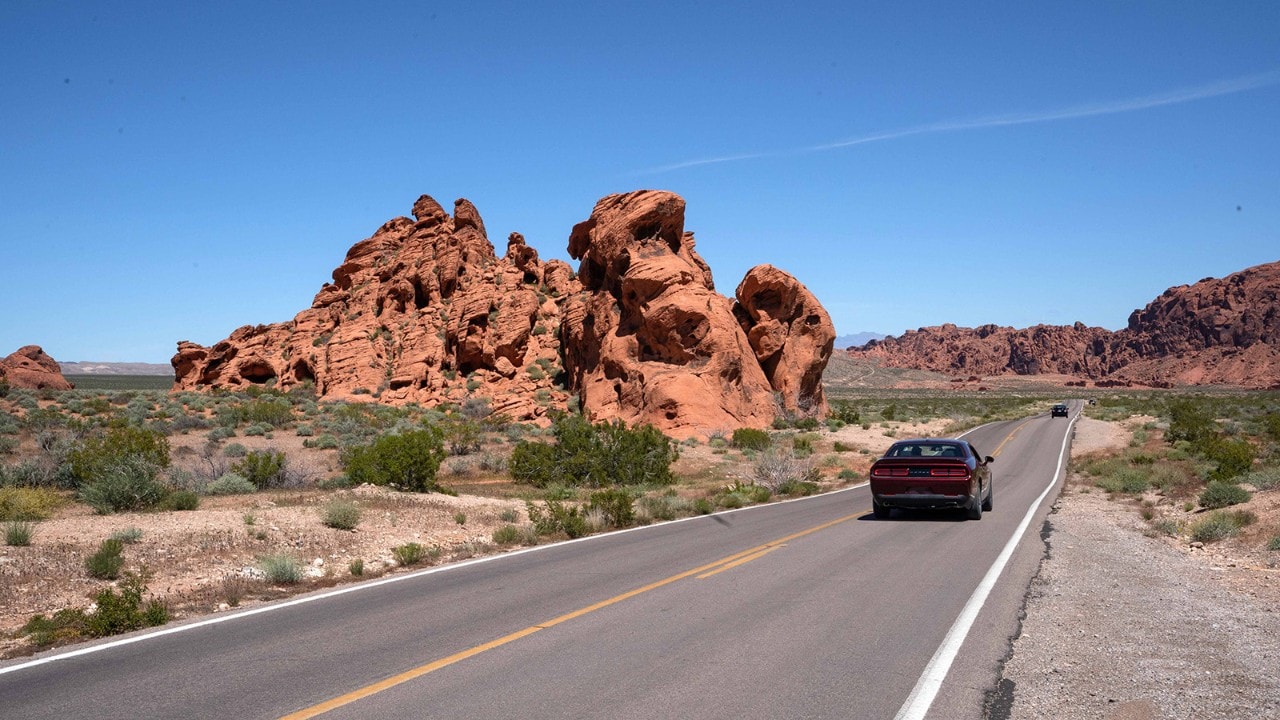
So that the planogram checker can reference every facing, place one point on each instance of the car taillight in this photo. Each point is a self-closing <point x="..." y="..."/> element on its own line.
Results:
<point x="889" y="472"/>
<point x="949" y="472"/>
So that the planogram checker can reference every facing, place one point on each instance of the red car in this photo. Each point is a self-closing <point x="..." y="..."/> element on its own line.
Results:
<point x="928" y="474"/>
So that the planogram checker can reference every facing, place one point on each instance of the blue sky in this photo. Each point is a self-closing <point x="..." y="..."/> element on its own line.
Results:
<point x="172" y="171"/>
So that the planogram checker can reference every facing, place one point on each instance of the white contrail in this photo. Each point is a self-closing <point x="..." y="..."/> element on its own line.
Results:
<point x="1145" y="102"/>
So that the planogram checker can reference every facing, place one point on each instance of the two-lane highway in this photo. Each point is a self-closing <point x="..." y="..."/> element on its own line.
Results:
<point x="803" y="609"/>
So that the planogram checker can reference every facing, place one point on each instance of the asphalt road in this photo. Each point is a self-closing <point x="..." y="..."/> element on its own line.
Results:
<point x="804" y="609"/>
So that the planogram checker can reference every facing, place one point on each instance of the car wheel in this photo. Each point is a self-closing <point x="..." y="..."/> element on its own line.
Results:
<point x="975" y="510"/>
<point x="991" y="491"/>
<point x="881" y="512"/>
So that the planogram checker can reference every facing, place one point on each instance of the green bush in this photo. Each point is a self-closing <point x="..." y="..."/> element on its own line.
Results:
<point x="356" y="567"/>
<point x="129" y="483"/>
<point x="1234" y="458"/>
<point x="18" y="532"/>
<point x="1218" y="494"/>
<point x="28" y="503"/>
<point x="128" y="536"/>
<point x="555" y="517"/>
<point x="341" y="515"/>
<point x="1264" y="479"/>
<point x="281" y="569"/>
<point x="230" y="484"/>
<point x="124" y="612"/>
<point x="1274" y="543"/>
<point x="408" y="461"/>
<point x="617" y="505"/>
<point x="106" y="563"/>
<point x="1127" y="480"/>
<point x="750" y="439"/>
<point x="595" y="455"/>
<point x="98" y="455"/>
<point x="1220" y="524"/>
<point x="182" y="500"/>
<point x="264" y="468"/>
<point x="507" y="535"/>
<point x="409" y="553"/>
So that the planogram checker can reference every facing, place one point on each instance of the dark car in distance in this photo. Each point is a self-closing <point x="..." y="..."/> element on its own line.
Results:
<point x="1059" y="410"/>
<point x="929" y="474"/>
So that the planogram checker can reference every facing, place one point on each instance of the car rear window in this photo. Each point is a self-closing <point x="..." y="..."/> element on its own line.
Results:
<point x="925" y="450"/>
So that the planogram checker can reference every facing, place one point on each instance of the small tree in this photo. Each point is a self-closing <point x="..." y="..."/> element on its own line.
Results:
<point x="119" y="443"/>
<point x="408" y="461"/>
<point x="596" y="455"/>
<point x="263" y="468"/>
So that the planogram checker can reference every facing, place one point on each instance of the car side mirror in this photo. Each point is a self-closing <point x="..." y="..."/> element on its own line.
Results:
<point x="990" y="459"/>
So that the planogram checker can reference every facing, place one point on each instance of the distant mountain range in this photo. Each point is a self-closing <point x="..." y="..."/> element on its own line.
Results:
<point x="85" y="367"/>
<point x="844" y="342"/>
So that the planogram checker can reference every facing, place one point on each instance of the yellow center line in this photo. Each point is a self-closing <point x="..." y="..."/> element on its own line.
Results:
<point x="723" y="564"/>
<point x="740" y="561"/>
<point x="1009" y="437"/>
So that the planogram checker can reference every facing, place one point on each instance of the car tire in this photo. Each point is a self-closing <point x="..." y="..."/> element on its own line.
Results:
<point x="881" y="512"/>
<point x="975" y="510"/>
<point x="991" y="491"/>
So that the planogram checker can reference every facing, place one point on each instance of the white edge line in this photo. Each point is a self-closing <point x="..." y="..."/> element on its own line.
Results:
<point x="930" y="682"/>
<point x="356" y="587"/>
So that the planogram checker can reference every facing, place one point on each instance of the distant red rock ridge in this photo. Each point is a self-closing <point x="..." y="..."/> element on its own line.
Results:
<point x="1215" y="332"/>
<point x="425" y="311"/>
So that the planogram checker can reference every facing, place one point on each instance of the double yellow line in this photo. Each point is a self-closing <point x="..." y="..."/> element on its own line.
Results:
<point x="701" y="572"/>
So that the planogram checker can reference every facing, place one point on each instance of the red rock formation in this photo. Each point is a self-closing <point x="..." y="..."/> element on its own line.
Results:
<point x="650" y="340"/>
<point x="424" y="311"/>
<point x="1217" y="331"/>
<point x="791" y="334"/>
<point x="29" y="367"/>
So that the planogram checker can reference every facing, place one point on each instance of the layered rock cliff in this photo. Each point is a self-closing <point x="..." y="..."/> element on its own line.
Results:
<point x="425" y="311"/>
<point x="1217" y="331"/>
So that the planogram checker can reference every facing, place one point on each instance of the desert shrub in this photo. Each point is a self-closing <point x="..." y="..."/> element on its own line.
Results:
<point x="554" y="516"/>
<point x="273" y="411"/>
<point x="507" y="535"/>
<point x="1274" y="543"/>
<point x="235" y="450"/>
<point x="773" y="470"/>
<point x="663" y="507"/>
<point x="409" y="553"/>
<point x="1219" y="494"/>
<point x="1264" y="479"/>
<point x="128" y="536"/>
<point x="263" y="468"/>
<point x="1189" y="421"/>
<point x="595" y="455"/>
<point x="356" y="567"/>
<point x="230" y="483"/>
<point x="1125" y="480"/>
<point x="1218" y="525"/>
<point x="183" y="500"/>
<point x="18" y="532"/>
<point x="702" y="506"/>
<point x="798" y="488"/>
<point x="616" y="505"/>
<point x="848" y="475"/>
<point x="107" y="561"/>
<point x="124" y="612"/>
<point x="341" y="515"/>
<point x="324" y="442"/>
<point x="28" y="503"/>
<point x="258" y="430"/>
<point x="1233" y="457"/>
<point x="100" y="455"/>
<point x="130" y="483"/>
<point x="750" y="439"/>
<point x="281" y="569"/>
<point x="408" y="461"/>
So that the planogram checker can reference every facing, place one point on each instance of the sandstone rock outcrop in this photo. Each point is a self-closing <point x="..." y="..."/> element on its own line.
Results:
<point x="649" y="339"/>
<point x="1217" y="331"/>
<point x="424" y="311"/>
<point x="29" y="367"/>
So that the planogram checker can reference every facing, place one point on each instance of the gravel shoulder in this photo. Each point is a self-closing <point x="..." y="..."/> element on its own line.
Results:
<point x="1120" y="625"/>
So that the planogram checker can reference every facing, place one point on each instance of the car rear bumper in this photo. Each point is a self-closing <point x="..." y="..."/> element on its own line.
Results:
<point x="923" y="501"/>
